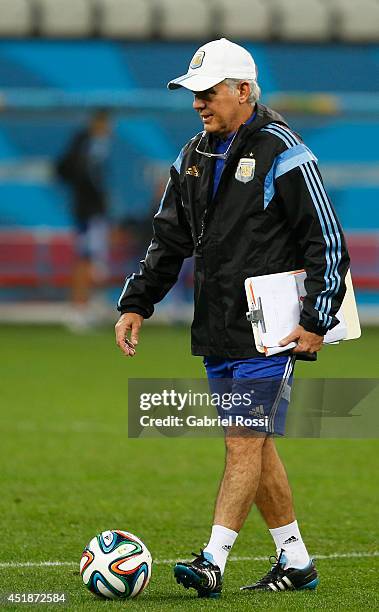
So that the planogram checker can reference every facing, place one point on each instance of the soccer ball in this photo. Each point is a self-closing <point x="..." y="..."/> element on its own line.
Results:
<point x="116" y="565"/>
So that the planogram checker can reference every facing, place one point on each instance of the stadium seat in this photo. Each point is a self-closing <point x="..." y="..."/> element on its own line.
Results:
<point x="67" y="18"/>
<point x="302" y="20"/>
<point x="357" y="20"/>
<point x="125" y="18"/>
<point x="185" y="20"/>
<point x="250" y="19"/>
<point x="15" y="18"/>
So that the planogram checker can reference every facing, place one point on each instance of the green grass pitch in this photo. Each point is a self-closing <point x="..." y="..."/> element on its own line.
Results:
<point x="68" y="471"/>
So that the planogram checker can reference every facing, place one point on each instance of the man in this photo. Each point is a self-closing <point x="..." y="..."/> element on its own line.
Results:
<point x="246" y="198"/>
<point x="84" y="166"/>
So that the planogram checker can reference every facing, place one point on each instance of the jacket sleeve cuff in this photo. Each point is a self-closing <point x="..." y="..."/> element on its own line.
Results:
<point x="137" y="309"/>
<point x="313" y="327"/>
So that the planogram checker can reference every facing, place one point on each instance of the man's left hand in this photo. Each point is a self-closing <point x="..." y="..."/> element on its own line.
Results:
<point x="307" y="342"/>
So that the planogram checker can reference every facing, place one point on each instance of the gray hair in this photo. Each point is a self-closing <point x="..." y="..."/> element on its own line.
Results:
<point x="255" y="90"/>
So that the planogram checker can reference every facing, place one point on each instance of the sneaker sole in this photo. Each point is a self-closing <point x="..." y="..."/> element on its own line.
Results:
<point x="308" y="586"/>
<point x="189" y="579"/>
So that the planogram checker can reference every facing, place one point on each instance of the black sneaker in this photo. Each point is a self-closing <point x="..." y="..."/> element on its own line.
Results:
<point x="280" y="579"/>
<point x="200" y="574"/>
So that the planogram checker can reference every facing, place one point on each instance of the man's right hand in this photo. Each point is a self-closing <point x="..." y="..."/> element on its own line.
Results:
<point x="129" y="321"/>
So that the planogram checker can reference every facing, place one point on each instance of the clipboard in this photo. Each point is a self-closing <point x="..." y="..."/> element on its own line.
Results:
<point x="270" y="321"/>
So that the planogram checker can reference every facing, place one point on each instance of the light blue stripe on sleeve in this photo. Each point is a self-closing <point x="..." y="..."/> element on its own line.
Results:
<point x="269" y="187"/>
<point x="178" y="162"/>
<point x="163" y="198"/>
<point x="326" y="217"/>
<point x="125" y="288"/>
<point x="293" y="157"/>
<point x="288" y="160"/>
<point x="177" y="165"/>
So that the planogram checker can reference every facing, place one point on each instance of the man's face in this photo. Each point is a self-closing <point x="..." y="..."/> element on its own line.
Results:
<point x="219" y="109"/>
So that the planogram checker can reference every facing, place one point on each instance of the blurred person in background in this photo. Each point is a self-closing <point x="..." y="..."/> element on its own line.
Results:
<point x="83" y="167"/>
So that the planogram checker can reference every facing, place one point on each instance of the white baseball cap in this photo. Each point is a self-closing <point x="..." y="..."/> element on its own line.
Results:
<point x="212" y="63"/>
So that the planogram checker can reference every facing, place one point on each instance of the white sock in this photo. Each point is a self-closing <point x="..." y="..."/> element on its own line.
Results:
<point x="289" y="539"/>
<point x="220" y="544"/>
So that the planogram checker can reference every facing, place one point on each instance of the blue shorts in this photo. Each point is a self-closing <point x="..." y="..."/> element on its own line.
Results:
<point x="254" y="392"/>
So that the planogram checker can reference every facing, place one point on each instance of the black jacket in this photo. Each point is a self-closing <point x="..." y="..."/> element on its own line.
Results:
<point x="269" y="218"/>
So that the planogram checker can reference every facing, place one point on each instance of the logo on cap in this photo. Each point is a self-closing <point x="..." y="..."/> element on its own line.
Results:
<point x="197" y="60"/>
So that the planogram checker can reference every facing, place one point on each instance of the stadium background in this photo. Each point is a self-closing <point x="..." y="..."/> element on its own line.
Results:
<point x="329" y="93"/>
<point x="63" y="422"/>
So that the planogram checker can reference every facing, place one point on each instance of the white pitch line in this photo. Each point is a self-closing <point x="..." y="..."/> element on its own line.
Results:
<point x="348" y="555"/>
<point x="15" y="564"/>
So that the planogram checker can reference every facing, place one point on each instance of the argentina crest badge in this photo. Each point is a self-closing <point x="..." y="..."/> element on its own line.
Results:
<point x="245" y="169"/>
<point x="197" y="60"/>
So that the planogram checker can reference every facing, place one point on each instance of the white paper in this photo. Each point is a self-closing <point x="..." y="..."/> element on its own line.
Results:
<point x="282" y="296"/>
<point x="280" y="305"/>
<point x="339" y="332"/>
<point x="275" y="350"/>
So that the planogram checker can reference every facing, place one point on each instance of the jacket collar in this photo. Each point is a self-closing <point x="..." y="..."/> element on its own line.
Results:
<point x="264" y="116"/>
